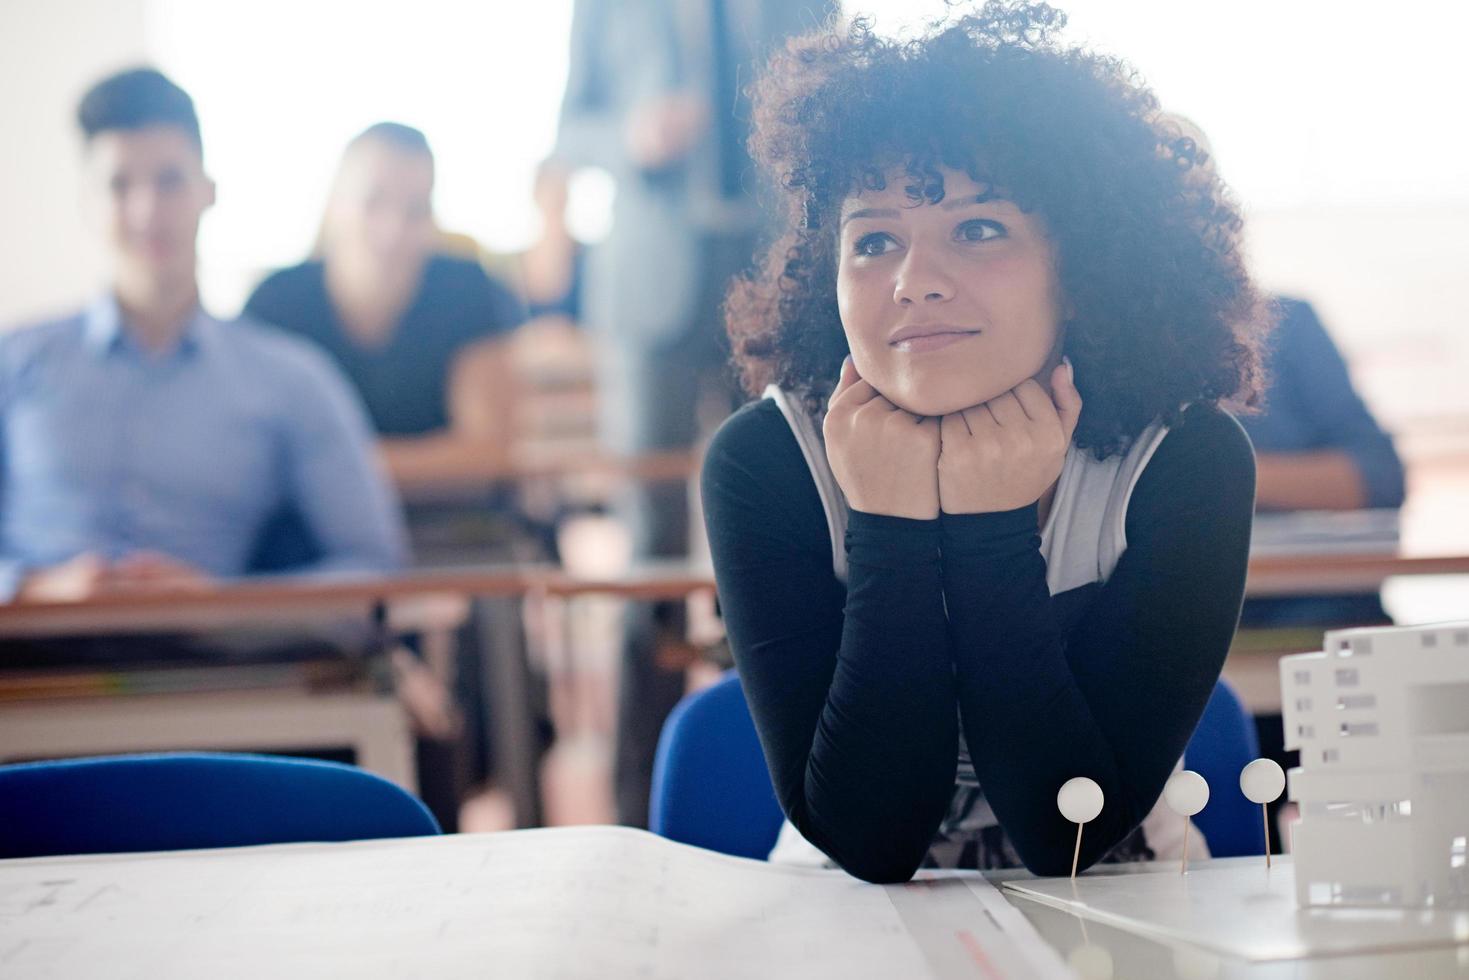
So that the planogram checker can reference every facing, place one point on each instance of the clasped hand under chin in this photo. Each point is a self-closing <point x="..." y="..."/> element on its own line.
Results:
<point x="996" y="456"/>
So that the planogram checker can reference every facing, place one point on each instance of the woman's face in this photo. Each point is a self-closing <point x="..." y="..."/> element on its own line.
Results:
<point x="382" y="213"/>
<point x="946" y="305"/>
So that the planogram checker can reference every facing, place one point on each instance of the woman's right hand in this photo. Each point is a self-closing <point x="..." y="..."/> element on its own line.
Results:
<point x="885" y="459"/>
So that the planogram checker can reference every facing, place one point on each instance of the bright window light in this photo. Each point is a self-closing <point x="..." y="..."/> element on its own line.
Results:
<point x="1306" y="103"/>
<point x="282" y="86"/>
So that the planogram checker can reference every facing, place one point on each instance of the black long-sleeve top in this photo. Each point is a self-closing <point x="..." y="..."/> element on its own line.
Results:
<point x="854" y="688"/>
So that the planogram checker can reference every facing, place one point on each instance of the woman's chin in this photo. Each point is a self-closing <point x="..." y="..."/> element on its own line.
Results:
<point x="932" y="405"/>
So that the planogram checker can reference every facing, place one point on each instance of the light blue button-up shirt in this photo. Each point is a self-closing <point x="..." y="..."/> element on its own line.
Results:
<point x="106" y="447"/>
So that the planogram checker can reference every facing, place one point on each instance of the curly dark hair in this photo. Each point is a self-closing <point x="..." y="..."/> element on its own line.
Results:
<point x="1147" y="239"/>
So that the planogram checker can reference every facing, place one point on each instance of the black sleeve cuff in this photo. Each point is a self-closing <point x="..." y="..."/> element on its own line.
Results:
<point x="891" y="542"/>
<point x="1000" y="532"/>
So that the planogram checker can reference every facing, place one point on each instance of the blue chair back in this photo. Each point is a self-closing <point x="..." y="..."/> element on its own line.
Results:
<point x="1223" y="744"/>
<point x="175" y="801"/>
<point x="710" y="784"/>
<point x="711" y="787"/>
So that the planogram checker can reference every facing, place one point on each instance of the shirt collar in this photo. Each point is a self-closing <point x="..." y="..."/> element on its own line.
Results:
<point x="105" y="332"/>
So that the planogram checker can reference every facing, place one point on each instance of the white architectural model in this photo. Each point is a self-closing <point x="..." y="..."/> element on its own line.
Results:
<point x="1381" y="718"/>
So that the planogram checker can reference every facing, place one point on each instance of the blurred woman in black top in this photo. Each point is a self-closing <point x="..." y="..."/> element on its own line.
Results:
<point x="418" y="332"/>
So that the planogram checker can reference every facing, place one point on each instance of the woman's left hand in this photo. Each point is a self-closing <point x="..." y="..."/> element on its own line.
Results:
<point x="1005" y="453"/>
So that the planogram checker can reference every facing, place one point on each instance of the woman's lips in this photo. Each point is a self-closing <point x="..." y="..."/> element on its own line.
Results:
<point x="931" y="341"/>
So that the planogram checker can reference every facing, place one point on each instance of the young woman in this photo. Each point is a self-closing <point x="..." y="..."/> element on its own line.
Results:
<point x="418" y="332"/>
<point x="988" y="528"/>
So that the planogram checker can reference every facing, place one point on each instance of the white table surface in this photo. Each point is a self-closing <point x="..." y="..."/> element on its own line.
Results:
<point x="250" y="903"/>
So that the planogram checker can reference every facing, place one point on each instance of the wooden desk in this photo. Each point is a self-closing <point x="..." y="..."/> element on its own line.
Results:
<point x="496" y="589"/>
<point x="248" y="601"/>
<point x="1254" y="655"/>
<point x="1286" y="575"/>
<point x="595" y="902"/>
<point x="499" y="588"/>
<point x="375" y="727"/>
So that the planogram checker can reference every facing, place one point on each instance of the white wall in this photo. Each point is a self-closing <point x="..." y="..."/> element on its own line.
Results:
<point x="50" y="52"/>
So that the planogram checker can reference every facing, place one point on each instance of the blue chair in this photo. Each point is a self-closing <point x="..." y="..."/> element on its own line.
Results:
<point x="1223" y="744"/>
<point x="710" y="784"/>
<point x="711" y="787"/>
<point x="175" y="801"/>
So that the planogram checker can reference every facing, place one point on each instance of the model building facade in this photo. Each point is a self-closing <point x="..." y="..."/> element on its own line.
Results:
<point x="1381" y="719"/>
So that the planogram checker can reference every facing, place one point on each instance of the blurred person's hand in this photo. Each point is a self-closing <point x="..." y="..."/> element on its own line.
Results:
<point x="154" y="571"/>
<point x="662" y="130"/>
<point x="80" y="578"/>
<point x="89" y="575"/>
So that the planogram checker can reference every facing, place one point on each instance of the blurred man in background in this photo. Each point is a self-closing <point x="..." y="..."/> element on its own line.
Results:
<point x="145" y="444"/>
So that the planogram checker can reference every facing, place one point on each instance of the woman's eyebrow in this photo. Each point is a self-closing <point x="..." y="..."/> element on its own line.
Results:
<point x="952" y="204"/>
<point x="962" y="202"/>
<point x="870" y="213"/>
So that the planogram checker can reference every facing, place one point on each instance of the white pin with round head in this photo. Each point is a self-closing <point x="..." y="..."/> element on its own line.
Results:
<point x="1080" y="800"/>
<point x="1186" y="793"/>
<point x="1262" y="782"/>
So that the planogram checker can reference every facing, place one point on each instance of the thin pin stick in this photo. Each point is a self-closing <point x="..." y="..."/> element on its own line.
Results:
<point x="1186" y="793"/>
<point x="1076" y="854"/>
<point x="1263" y="781"/>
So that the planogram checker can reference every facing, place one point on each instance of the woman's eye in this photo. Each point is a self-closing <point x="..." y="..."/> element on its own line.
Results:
<point x="980" y="230"/>
<point x="875" y="243"/>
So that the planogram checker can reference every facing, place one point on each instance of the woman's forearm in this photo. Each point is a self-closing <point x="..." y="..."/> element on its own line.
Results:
<point x="1325" y="480"/>
<point x="1116" y="695"/>
<point x="1028" y="723"/>
<point x="851" y="688"/>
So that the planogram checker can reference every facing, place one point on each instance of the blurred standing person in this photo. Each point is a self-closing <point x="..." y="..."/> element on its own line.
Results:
<point x="418" y="332"/>
<point x="549" y="274"/>
<point x="654" y="95"/>
<point x="551" y="270"/>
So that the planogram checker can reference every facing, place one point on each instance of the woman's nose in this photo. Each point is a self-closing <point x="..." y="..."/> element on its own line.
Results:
<point x="921" y="280"/>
